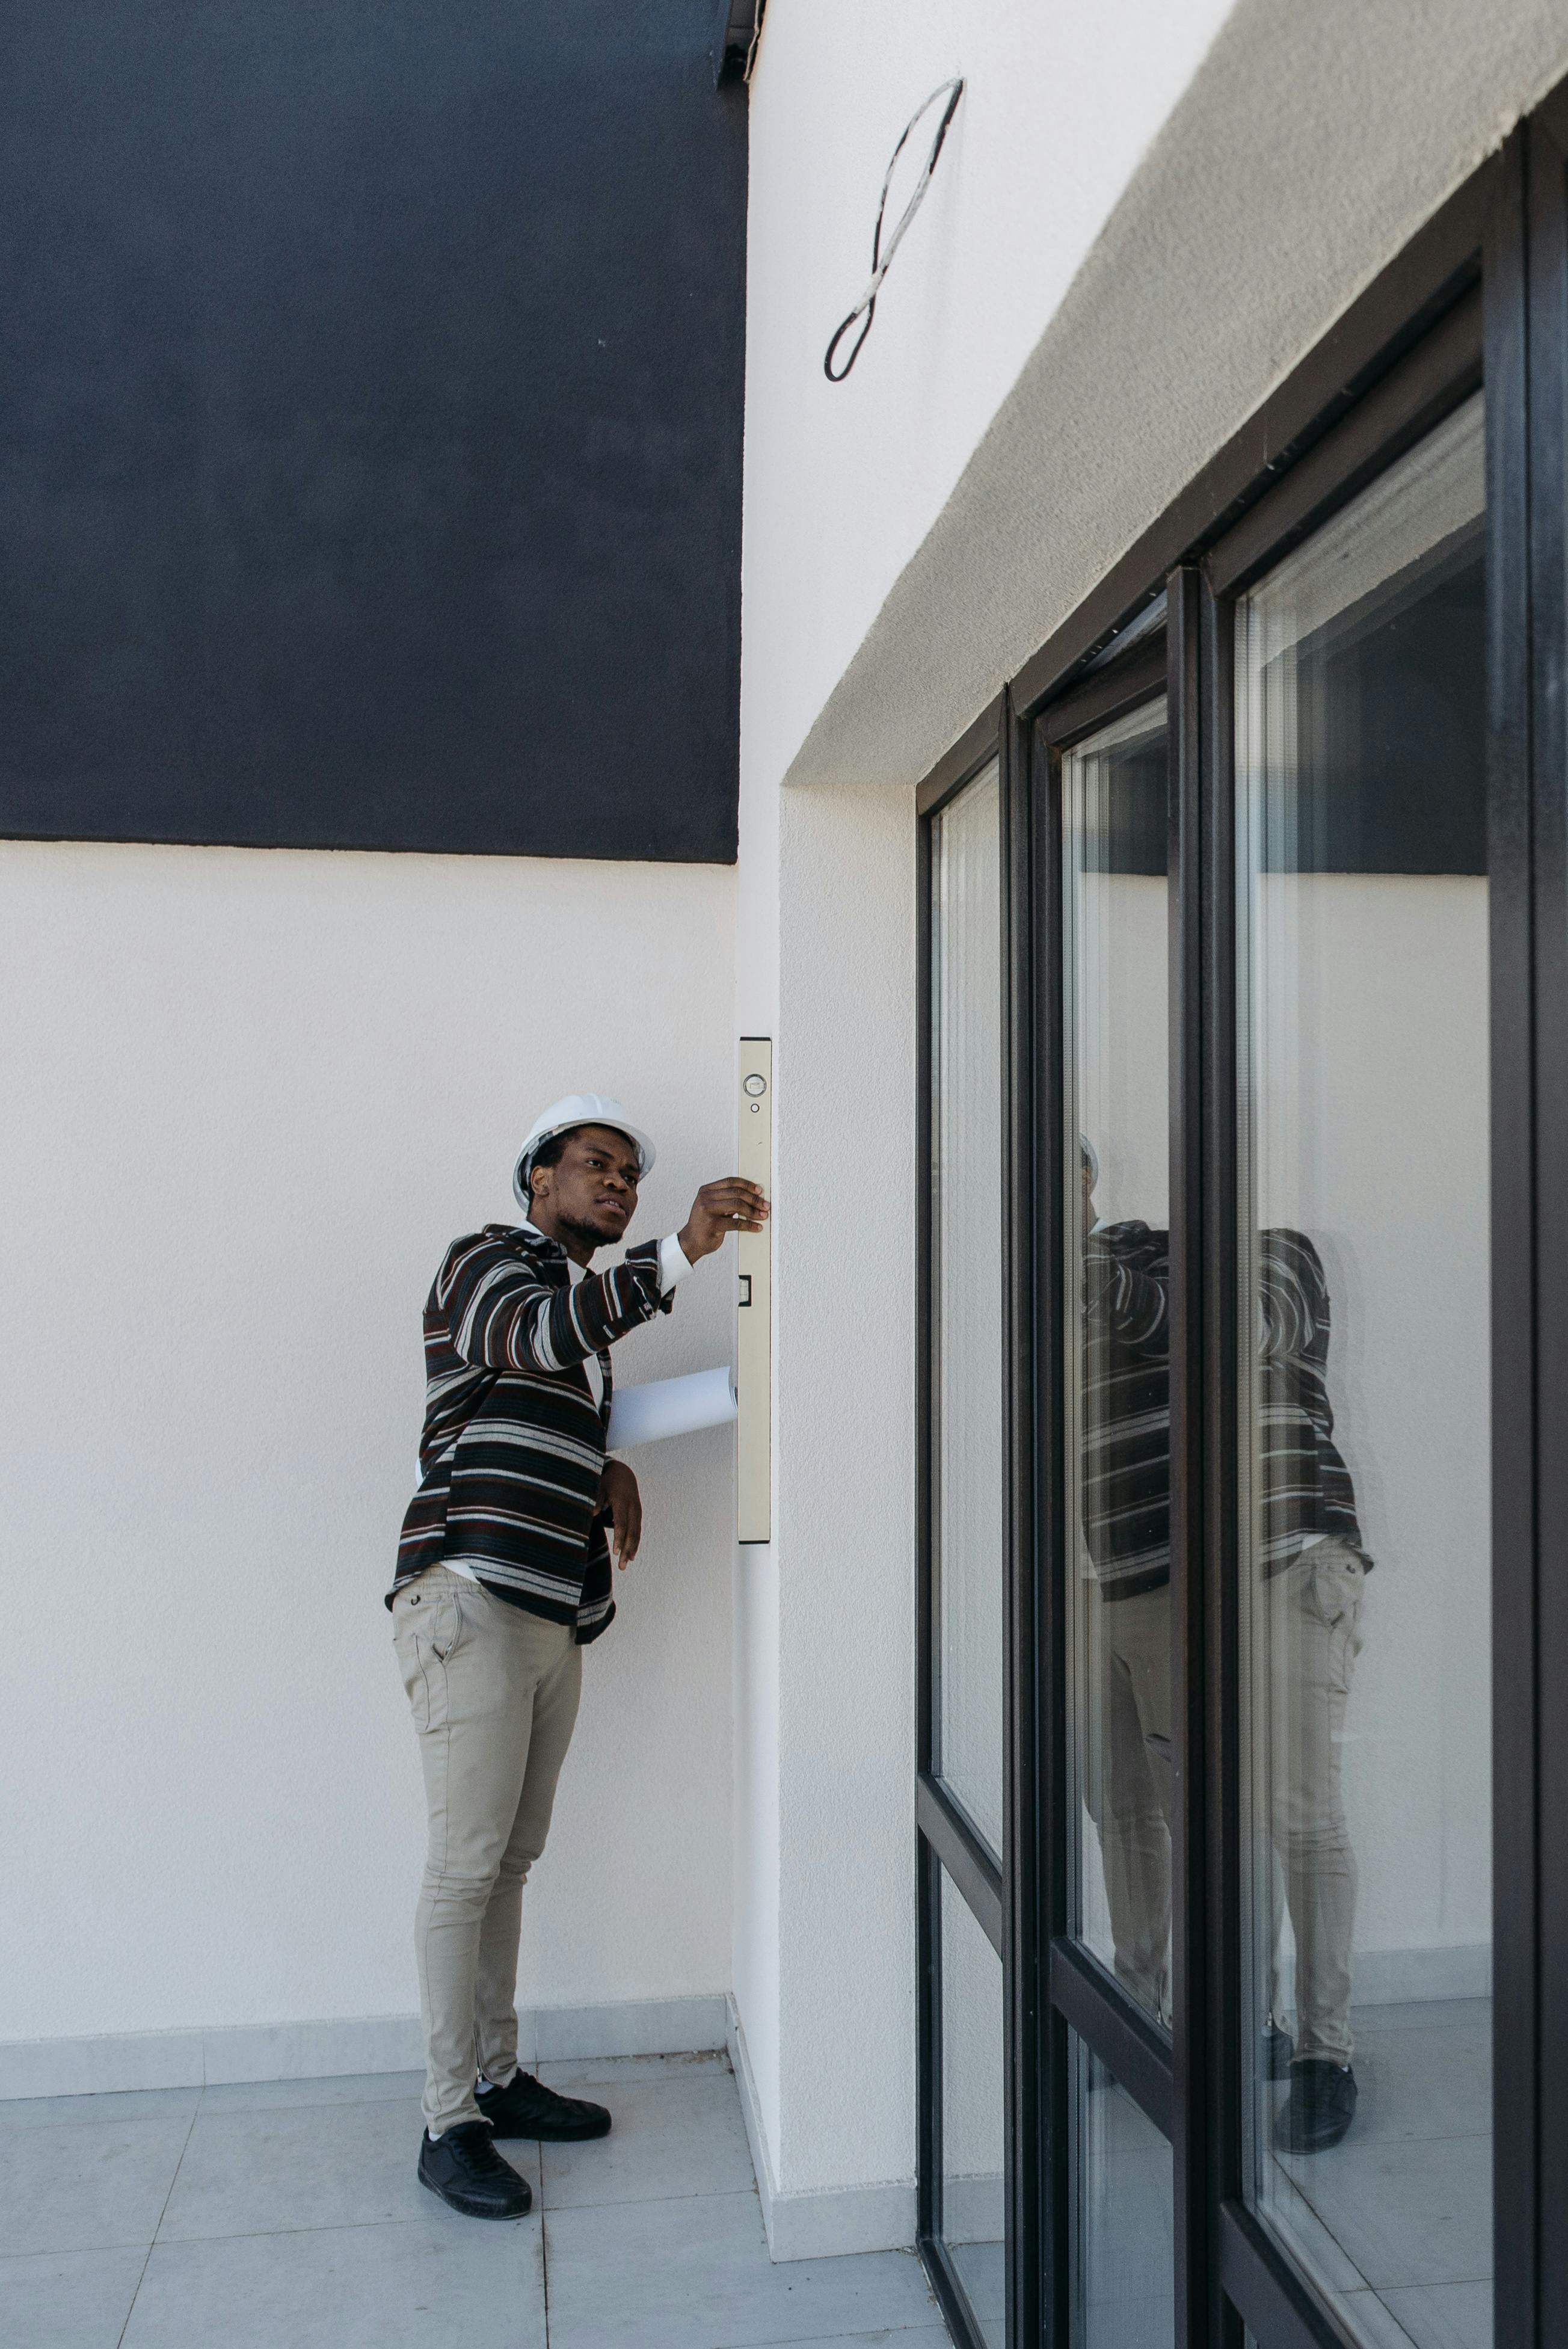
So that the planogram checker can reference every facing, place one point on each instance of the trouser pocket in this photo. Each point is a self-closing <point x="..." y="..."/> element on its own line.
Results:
<point x="1332" y="1597"/>
<point x="426" y="1628"/>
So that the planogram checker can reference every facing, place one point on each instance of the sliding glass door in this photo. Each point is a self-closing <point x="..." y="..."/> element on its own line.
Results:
<point x="1244" y="1567"/>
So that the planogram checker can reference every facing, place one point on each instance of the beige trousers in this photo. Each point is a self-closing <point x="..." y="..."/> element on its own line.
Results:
<point x="1314" y="1632"/>
<point x="1311" y="1619"/>
<point x="1128" y="1783"/>
<point x="493" y="1691"/>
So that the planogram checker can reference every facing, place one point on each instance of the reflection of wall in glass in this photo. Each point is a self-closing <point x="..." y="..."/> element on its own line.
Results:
<point x="974" y="2119"/>
<point x="1124" y="1047"/>
<point x="1123" y="2243"/>
<point x="1388" y="986"/>
<point x="1365" y="1594"/>
<point x="1361" y="703"/>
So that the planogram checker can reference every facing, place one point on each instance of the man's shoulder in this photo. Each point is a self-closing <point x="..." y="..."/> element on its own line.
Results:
<point x="1290" y="1249"/>
<point x="479" y="1252"/>
<point x="1132" y="1237"/>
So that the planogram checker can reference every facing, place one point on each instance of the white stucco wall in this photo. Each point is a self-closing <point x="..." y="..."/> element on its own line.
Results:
<point x="845" y="1494"/>
<point x="249" y="1100"/>
<point x="1373" y="1108"/>
<point x="824" y="1953"/>
<point x="1144" y="220"/>
<point x="1061" y="101"/>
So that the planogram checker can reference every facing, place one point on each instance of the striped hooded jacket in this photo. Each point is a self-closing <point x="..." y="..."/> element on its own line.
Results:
<point x="1303" y="1491"/>
<point x="513" y="1444"/>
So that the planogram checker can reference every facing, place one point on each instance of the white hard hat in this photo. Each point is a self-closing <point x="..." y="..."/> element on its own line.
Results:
<point x="577" y="1109"/>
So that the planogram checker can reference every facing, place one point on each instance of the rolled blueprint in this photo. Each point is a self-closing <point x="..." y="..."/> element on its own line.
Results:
<point x="670" y="1407"/>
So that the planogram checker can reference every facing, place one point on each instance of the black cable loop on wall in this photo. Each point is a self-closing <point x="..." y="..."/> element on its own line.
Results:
<point x="866" y="308"/>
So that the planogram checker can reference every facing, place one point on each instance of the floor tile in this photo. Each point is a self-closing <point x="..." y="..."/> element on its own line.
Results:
<point x="260" y="2172"/>
<point x="981" y="2270"/>
<point x="1127" y="2229"/>
<point x="671" y="2138"/>
<point x="1424" y="2014"/>
<point x="1405" y="2214"/>
<point x="86" y="2184"/>
<point x="903" y="2336"/>
<point x="1367" y="2317"/>
<point x="1446" y="2315"/>
<point x="69" y="2300"/>
<point x="124" y="2105"/>
<point x="438" y="2282"/>
<point x="1136" y="2321"/>
<point x="607" y="2071"/>
<point x="1296" y="2220"/>
<point x="695" y="2275"/>
<point x="1423" y="2083"/>
<point x="276" y="2096"/>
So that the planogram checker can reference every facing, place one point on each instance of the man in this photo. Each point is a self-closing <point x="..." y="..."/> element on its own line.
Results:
<point x="1313" y="1571"/>
<point x="1125" y="1522"/>
<point x="503" y="1577"/>
<point x="1312" y="1568"/>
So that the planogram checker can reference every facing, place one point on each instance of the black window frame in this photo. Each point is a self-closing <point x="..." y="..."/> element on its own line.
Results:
<point x="1481" y="293"/>
<point x="948" y="1843"/>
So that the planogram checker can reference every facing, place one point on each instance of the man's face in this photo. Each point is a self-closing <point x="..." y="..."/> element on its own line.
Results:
<point x="592" y="1186"/>
<point x="1086" y="1178"/>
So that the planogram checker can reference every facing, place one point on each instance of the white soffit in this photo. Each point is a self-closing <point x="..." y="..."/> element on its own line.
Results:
<point x="1308" y="149"/>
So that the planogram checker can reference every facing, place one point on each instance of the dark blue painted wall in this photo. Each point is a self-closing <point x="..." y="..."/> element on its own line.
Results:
<point x="370" y="424"/>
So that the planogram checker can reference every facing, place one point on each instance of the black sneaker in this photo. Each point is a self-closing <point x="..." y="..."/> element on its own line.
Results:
<point x="1319" y="2108"/>
<point x="1278" y="2052"/>
<point x="465" y="2170"/>
<point x="525" y="2107"/>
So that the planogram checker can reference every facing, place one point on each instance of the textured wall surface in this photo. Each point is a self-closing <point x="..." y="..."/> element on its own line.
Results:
<point x="249" y="1100"/>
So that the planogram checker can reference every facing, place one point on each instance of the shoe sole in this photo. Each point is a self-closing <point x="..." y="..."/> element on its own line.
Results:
<point x="562" y="2135"/>
<point x="547" y="2137"/>
<point x="1318" y="2145"/>
<point x="473" y="2210"/>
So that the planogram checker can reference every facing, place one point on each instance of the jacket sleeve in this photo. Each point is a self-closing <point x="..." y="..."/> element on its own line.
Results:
<point x="1293" y="1299"/>
<point x="1134" y="1304"/>
<point x="502" y="1317"/>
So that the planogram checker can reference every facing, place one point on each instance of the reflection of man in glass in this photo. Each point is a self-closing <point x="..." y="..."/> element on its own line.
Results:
<point x="1126" y="1520"/>
<point x="1311" y="1567"/>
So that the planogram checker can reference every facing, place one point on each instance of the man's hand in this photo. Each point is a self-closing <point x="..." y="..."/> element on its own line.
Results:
<point x="618" y="1493"/>
<point x="732" y="1206"/>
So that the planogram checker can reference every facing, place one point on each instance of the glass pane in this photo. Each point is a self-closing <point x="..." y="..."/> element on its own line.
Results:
<point x="1364" y="1598"/>
<point x="973" y="2125"/>
<point x="1118" y="1350"/>
<point x="966" y="1335"/>
<point x="1123" y="2235"/>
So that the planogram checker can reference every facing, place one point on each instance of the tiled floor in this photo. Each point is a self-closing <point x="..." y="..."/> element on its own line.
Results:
<point x="1397" y="2221"/>
<point x="287" y="2216"/>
